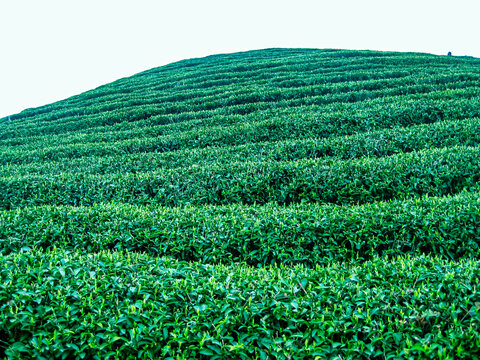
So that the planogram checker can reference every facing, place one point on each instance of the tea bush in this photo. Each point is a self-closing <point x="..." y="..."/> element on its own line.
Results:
<point x="282" y="203"/>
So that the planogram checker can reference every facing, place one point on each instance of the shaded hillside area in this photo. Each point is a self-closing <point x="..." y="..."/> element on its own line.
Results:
<point x="280" y="203"/>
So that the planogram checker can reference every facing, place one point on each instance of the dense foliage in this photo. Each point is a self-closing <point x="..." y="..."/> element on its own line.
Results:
<point x="283" y="203"/>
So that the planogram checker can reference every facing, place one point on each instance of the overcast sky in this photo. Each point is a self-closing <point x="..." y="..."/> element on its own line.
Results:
<point x="53" y="49"/>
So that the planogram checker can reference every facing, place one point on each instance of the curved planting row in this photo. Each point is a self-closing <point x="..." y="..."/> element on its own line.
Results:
<point x="258" y="235"/>
<point x="314" y="66"/>
<point x="129" y="157"/>
<point x="435" y="172"/>
<point x="272" y="126"/>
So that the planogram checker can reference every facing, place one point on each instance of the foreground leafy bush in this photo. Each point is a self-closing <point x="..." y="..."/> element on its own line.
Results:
<point x="121" y="305"/>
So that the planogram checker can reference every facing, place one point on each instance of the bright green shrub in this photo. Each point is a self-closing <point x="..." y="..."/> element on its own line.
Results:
<point x="434" y="172"/>
<point x="258" y="235"/>
<point x="122" y="305"/>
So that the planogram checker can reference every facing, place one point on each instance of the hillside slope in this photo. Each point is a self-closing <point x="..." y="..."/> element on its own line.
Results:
<point x="281" y="203"/>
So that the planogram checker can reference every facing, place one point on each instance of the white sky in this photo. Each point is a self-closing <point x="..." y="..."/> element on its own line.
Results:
<point x="53" y="49"/>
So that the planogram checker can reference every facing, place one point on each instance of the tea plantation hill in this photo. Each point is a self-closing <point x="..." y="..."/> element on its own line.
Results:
<point x="283" y="203"/>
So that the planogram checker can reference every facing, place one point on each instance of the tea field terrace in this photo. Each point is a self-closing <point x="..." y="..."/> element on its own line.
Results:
<point x="280" y="203"/>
